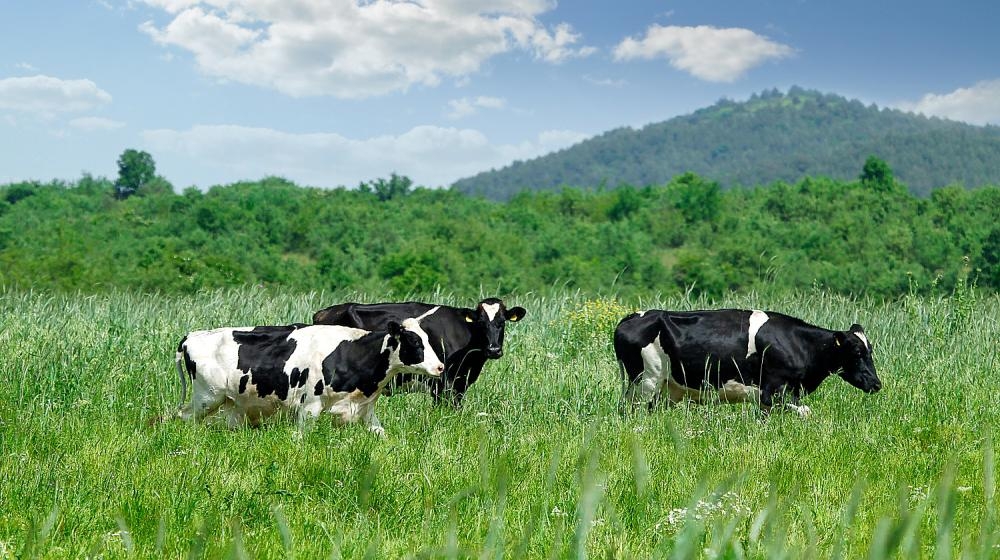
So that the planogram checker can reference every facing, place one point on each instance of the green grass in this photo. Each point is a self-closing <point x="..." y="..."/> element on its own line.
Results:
<point x="537" y="464"/>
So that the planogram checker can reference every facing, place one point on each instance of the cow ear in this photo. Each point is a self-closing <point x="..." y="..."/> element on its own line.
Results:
<point x="394" y="328"/>
<point x="856" y="328"/>
<point x="516" y="314"/>
<point x="468" y="314"/>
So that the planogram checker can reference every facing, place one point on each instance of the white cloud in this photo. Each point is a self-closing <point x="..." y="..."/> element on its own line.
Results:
<point x="706" y="52"/>
<point x="95" y="123"/>
<point x="27" y="66"/>
<point x="468" y="106"/>
<point x="979" y="104"/>
<point x="606" y="82"/>
<point x="356" y="48"/>
<point x="430" y="155"/>
<point x="46" y="95"/>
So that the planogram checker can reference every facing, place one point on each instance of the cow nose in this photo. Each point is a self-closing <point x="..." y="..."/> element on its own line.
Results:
<point x="877" y="387"/>
<point x="494" y="351"/>
<point x="439" y="369"/>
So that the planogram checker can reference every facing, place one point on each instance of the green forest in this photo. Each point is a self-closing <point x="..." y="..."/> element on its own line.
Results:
<point x="770" y="137"/>
<point x="867" y="236"/>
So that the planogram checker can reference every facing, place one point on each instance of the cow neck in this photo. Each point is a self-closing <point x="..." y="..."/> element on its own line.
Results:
<point x="826" y="362"/>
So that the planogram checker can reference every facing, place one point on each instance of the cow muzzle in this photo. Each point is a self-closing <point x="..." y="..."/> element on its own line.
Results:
<point x="494" y="352"/>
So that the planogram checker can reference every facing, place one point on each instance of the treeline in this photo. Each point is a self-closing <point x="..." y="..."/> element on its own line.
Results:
<point x="772" y="136"/>
<point x="868" y="236"/>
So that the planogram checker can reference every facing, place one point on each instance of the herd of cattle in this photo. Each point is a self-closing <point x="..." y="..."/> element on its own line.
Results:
<point x="353" y="353"/>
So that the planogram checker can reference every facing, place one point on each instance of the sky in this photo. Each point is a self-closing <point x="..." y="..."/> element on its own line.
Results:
<point x="330" y="93"/>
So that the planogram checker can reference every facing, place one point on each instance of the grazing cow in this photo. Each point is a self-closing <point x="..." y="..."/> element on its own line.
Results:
<point x="736" y="355"/>
<point x="253" y="372"/>
<point x="463" y="338"/>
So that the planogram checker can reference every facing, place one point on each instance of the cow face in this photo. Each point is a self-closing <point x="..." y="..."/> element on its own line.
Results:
<point x="488" y="322"/>
<point x="413" y="349"/>
<point x="855" y="353"/>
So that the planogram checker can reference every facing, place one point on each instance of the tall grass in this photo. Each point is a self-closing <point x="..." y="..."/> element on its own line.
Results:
<point x="538" y="463"/>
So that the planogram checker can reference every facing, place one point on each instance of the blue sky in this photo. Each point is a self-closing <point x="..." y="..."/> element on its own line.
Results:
<point x="334" y="92"/>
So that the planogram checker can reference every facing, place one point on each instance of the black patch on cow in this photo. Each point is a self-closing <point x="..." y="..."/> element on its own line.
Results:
<point x="302" y="399"/>
<point x="189" y="364"/>
<point x="298" y="378"/>
<point x="263" y="353"/>
<point x="358" y="364"/>
<point x="319" y="388"/>
<point x="243" y="383"/>
<point x="411" y="349"/>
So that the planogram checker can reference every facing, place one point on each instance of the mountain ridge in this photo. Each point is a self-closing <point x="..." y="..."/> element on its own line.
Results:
<point x="772" y="136"/>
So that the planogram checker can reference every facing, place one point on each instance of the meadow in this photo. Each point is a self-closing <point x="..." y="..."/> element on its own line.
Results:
<point x="538" y="463"/>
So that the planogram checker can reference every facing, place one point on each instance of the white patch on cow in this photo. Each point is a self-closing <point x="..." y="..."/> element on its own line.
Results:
<point x="656" y="372"/>
<point x="491" y="310"/>
<point x="430" y="312"/>
<point x="640" y="313"/>
<point x="757" y="319"/>
<point x="863" y="339"/>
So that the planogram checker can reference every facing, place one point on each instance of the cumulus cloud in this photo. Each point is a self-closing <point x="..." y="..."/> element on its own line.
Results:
<point x="979" y="104"/>
<point x="468" y="106"/>
<point x="430" y="155"/>
<point x="95" y="123"/>
<point x="356" y="48"/>
<point x="709" y="53"/>
<point x="46" y="95"/>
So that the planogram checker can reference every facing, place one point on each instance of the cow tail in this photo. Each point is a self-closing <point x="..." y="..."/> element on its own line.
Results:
<point x="179" y="362"/>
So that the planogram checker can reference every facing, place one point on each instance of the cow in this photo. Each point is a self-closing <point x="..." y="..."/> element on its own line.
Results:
<point x="463" y="338"/>
<point x="734" y="356"/>
<point x="252" y="372"/>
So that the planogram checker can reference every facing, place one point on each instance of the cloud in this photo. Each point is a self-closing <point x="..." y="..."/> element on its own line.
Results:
<point x="979" y="104"/>
<point x="706" y="52"/>
<point x="46" y="95"/>
<point x="356" y="48"/>
<point x="606" y="82"/>
<point x="468" y="106"/>
<point x="95" y="123"/>
<point x="430" y="155"/>
<point x="27" y="66"/>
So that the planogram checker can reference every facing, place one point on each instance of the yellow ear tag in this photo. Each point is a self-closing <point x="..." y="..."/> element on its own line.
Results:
<point x="837" y="341"/>
<point x="468" y="319"/>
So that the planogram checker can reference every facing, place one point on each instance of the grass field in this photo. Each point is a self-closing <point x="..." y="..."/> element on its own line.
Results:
<point x="538" y="463"/>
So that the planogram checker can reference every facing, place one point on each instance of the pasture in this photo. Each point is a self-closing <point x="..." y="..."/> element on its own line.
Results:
<point x="538" y="463"/>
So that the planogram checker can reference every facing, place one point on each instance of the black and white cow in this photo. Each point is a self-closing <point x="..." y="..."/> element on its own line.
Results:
<point x="463" y="338"/>
<point x="736" y="356"/>
<point x="252" y="372"/>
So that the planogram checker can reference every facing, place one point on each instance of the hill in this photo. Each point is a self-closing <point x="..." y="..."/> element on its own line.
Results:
<point x="771" y="137"/>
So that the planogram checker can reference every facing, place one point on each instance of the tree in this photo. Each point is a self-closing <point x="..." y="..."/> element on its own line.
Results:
<point x="135" y="169"/>
<point x="396" y="186"/>
<point x="877" y="175"/>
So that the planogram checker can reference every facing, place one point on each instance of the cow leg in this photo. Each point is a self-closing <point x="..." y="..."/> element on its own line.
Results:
<point x="793" y="404"/>
<point x="373" y="422"/>
<point x="202" y="404"/>
<point x="306" y="416"/>
<point x="647" y="387"/>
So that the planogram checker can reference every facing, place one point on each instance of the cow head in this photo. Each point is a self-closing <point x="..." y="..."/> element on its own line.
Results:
<point x="488" y="321"/>
<point x="855" y="353"/>
<point x="411" y="350"/>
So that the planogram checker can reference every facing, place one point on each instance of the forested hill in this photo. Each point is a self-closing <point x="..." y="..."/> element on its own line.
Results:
<point x="771" y="137"/>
